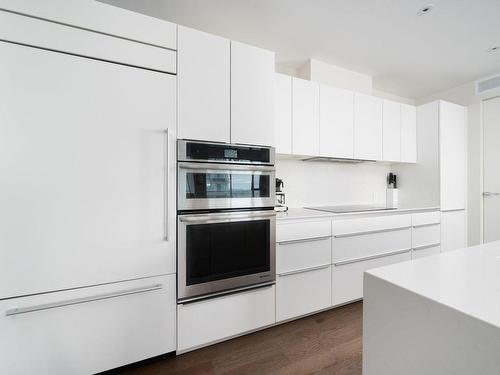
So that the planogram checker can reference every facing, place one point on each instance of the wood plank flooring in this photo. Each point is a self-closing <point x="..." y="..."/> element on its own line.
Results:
<point x="325" y="343"/>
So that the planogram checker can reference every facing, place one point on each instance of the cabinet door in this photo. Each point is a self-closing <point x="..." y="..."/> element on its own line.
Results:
<point x="203" y="86"/>
<point x="367" y="127"/>
<point x="408" y="133"/>
<point x="252" y="95"/>
<point x="453" y="230"/>
<point x="87" y="157"/>
<point x="392" y="131"/>
<point x="88" y="330"/>
<point x="336" y="122"/>
<point x="283" y="113"/>
<point x="305" y="117"/>
<point x="452" y="155"/>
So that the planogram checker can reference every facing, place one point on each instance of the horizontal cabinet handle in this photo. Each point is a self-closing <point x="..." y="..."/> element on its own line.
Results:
<point x="75" y="301"/>
<point x="288" y="242"/>
<point x="371" y="232"/>
<point x="425" y="225"/>
<point x="453" y="210"/>
<point x="304" y="270"/>
<point x="370" y="257"/>
<point x="423" y="247"/>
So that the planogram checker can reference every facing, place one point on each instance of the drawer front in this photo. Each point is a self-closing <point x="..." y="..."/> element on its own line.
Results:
<point x="303" y="293"/>
<point x="303" y="229"/>
<point x="347" y="279"/>
<point x="426" y="218"/>
<point x="307" y="253"/>
<point x="425" y="251"/>
<point x="370" y="224"/>
<point x="89" y="330"/>
<point x="367" y="245"/>
<point x="205" y="322"/>
<point x="426" y="235"/>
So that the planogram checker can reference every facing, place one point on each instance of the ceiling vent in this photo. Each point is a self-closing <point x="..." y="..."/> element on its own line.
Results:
<point x="488" y="84"/>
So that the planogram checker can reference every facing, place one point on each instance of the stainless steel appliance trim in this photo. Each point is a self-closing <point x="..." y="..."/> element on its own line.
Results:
<point x="75" y="301"/>
<point x="212" y="287"/>
<point x="423" y="247"/>
<point x="426" y="225"/>
<point x="221" y="203"/>
<point x="227" y="292"/>
<point x="371" y="232"/>
<point x="370" y="257"/>
<point x="289" y="242"/>
<point x="304" y="270"/>
<point x="181" y="152"/>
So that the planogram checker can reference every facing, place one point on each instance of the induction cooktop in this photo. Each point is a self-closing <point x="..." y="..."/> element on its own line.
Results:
<point x="352" y="208"/>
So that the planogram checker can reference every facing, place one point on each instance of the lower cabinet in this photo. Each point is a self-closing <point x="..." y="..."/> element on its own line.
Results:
<point x="303" y="292"/>
<point x="207" y="321"/>
<point x="424" y="251"/>
<point x="88" y="330"/>
<point x="347" y="277"/>
<point x="453" y="230"/>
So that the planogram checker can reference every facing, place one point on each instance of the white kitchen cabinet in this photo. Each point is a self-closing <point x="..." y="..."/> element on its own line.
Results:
<point x="426" y="234"/>
<point x="283" y="113"/>
<point x="336" y="122"/>
<point x="305" y="117"/>
<point x="368" y="129"/>
<point x="204" y="101"/>
<point x="303" y="292"/>
<point x="391" y="131"/>
<point x="408" y="133"/>
<point x="208" y="321"/>
<point x="88" y="330"/>
<point x="453" y="230"/>
<point x="87" y="188"/>
<point x="452" y="153"/>
<point x="252" y="95"/>
<point x="425" y="251"/>
<point x="301" y="254"/>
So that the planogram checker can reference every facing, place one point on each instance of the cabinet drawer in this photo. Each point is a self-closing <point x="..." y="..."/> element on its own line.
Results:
<point x="425" y="251"/>
<point x="372" y="244"/>
<point x="89" y="330"/>
<point x="343" y="228"/>
<point x="207" y="321"/>
<point x="426" y="218"/>
<point x="303" y="292"/>
<point x="426" y="235"/>
<point x="303" y="229"/>
<point x="301" y="254"/>
<point x="347" y="278"/>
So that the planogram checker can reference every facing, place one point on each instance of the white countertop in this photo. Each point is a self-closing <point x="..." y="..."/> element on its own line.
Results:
<point x="305" y="213"/>
<point x="467" y="280"/>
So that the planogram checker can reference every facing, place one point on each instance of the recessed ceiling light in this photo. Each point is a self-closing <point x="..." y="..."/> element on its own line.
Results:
<point x="493" y="49"/>
<point x="425" y="9"/>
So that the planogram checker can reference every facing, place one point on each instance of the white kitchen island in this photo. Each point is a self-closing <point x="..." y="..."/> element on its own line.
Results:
<point x="435" y="315"/>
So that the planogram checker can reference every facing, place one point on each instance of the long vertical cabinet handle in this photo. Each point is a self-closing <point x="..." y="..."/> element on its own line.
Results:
<point x="167" y="181"/>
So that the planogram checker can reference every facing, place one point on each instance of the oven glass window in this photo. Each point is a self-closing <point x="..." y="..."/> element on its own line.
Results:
<point x="227" y="185"/>
<point x="224" y="250"/>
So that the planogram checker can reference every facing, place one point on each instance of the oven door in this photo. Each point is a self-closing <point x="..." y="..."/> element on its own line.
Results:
<point x="223" y="251"/>
<point x="219" y="186"/>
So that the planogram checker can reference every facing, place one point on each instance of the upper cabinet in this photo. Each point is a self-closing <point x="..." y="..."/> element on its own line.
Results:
<point x="225" y="90"/>
<point x="203" y="86"/>
<point x="408" y="133"/>
<point x="305" y="117"/>
<point x="252" y="95"/>
<point x="391" y="131"/>
<point x="336" y="114"/>
<point x="283" y="113"/>
<point x="367" y="127"/>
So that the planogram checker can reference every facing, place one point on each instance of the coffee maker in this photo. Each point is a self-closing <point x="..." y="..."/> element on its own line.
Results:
<point x="280" y="196"/>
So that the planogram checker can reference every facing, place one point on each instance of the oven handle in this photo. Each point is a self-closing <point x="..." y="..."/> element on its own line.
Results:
<point x="230" y="167"/>
<point x="210" y="217"/>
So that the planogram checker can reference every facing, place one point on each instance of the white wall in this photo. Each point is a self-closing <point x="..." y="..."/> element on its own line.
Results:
<point x="327" y="183"/>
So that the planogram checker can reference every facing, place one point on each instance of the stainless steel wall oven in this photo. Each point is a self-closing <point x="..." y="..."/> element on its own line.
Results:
<point x="226" y="218"/>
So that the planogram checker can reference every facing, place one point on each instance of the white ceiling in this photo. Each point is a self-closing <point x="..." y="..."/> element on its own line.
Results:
<point x="408" y="55"/>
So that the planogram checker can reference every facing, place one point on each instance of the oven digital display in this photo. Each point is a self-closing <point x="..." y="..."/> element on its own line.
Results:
<point x="230" y="153"/>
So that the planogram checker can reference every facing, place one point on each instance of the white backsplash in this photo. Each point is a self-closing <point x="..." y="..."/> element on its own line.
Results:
<point x="325" y="183"/>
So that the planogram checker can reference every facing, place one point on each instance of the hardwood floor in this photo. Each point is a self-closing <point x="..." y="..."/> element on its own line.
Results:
<point x="325" y="343"/>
